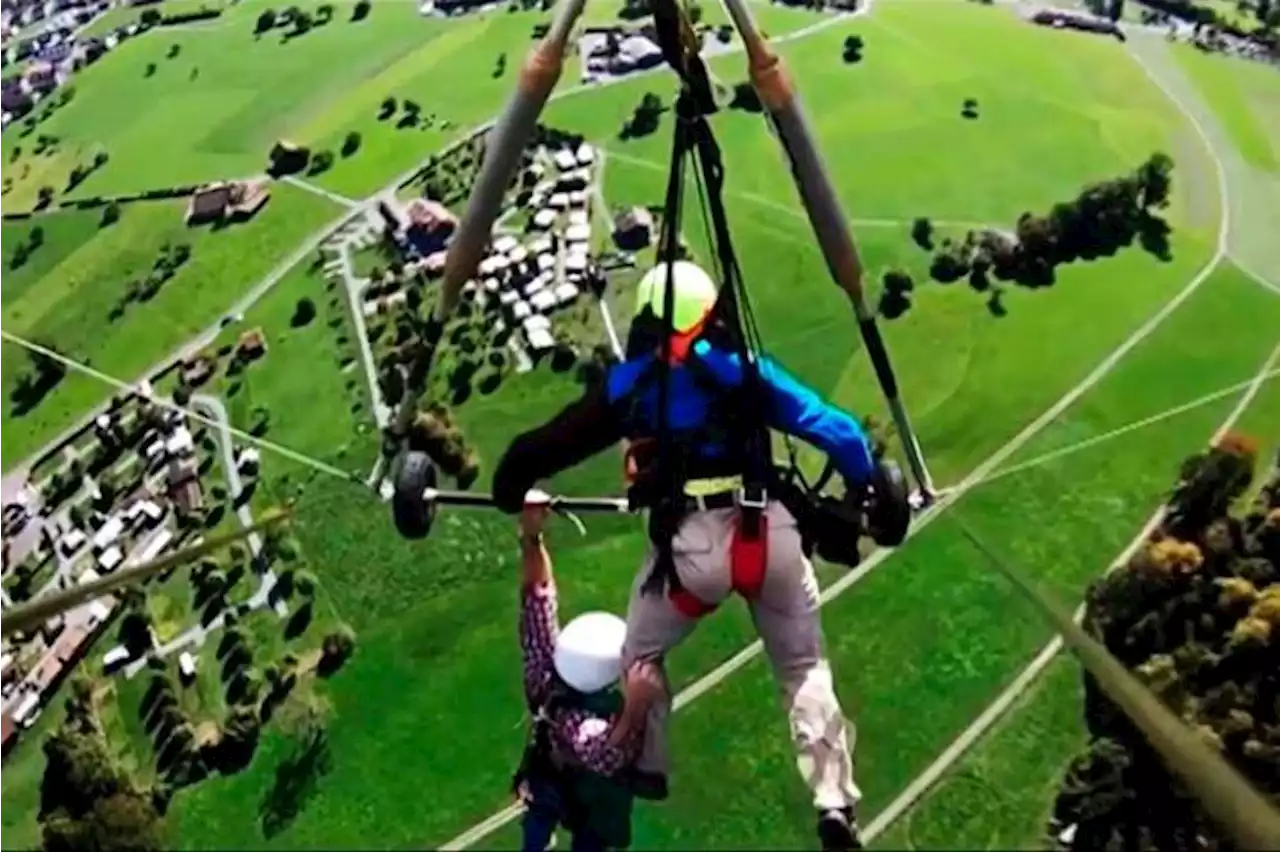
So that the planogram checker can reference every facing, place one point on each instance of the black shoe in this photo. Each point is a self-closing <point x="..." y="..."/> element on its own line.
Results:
<point x="648" y="785"/>
<point x="838" y="830"/>
<point x="888" y="505"/>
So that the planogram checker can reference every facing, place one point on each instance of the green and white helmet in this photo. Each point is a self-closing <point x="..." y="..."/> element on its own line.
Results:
<point x="695" y="294"/>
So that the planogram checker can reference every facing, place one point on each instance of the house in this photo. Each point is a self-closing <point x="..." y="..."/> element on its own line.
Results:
<point x="180" y="443"/>
<point x="577" y="233"/>
<point x="115" y="658"/>
<point x="430" y="225"/>
<point x="252" y="345"/>
<point x="197" y="371"/>
<point x="585" y="155"/>
<point x="542" y="301"/>
<point x="186" y="666"/>
<point x="110" y="558"/>
<point x="10" y="729"/>
<point x="146" y="512"/>
<point x="247" y="461"/>
<point x="578" y="217"/>
<point x="108" y="534"/>
<point x="633" y="229"/>
<point x="26" y="713"/>
<point x="544" y="219"/>
<point x="565" y="160"/>
<point x="540" y="340"/>
<point x="566" y="294"/>
<point x="71" y="542"/>
<point x="40" y="78"/>
<point x="152" y="549"/>
<point x="184" y="483"/>
<point x="222" y="201"/>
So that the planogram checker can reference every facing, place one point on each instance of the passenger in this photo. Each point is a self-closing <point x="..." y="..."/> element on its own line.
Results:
<point x="586" y="731"/>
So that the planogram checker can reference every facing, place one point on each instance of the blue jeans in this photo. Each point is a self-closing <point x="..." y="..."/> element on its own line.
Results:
<point x="544" y="813"/>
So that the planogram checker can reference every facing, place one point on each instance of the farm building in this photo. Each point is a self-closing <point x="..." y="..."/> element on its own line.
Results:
<point x="180" y="443"/>
<point x="184" y="483"/>
<point x="252" y="345"/>
<point x="221" y="201"/>
<point x="633" y="229"/>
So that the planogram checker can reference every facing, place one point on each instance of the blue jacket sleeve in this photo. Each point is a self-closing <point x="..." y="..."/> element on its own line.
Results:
<point x="798" y="410"/>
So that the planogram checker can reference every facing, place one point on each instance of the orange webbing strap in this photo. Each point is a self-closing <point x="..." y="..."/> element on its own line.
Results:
<point x="748" y="557"/>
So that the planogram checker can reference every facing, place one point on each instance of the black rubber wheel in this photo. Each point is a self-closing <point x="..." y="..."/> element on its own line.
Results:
<point x="413" y="515"/>
<point x="889" y="517"/>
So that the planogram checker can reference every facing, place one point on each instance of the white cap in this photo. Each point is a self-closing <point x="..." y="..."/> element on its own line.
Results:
<point x="588" y="654"/>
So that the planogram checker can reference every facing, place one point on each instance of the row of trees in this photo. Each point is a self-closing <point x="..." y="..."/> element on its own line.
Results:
<point x="88" y="798"/>
<point x="1196" y="614"/>
<point x="294" y="20"/>
<point x="25" y="248"/>
<point x="1104" y="218"/>
<point x="42" y="374"/>
<point x="81" y="172"/>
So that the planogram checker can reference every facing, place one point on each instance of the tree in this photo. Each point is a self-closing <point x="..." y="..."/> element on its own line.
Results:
<point x="149" y="18"/>
<point x="335" y="649"/>
<point x="1116" y="12"/>
<point x="321" y="161"/>
<point x="239" y="739"/>
<point x="150" y="70"/>
<point x="110" y="214"/>
<point x="922" y="233"/>
<point x="324" y="14"/>
<point x="36" y="237"/>
<point x="266" y="21"/>
<point x="305" y="583"/>
<point x="19" y="256"/>
<point x="695" y="13"/>
<point x="853" y="48"/>
<point x="44" y="197"/>
<point x="361" y="10"/>
<point x="1155" y="178"/>
<point x="387" y="109"/>
<point x="351" y="144"/>
<point x="303" y="312"/>
<point x="174" y="50"/>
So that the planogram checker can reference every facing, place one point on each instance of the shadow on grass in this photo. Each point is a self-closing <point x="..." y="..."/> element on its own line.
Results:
<point x="297" y="779"/>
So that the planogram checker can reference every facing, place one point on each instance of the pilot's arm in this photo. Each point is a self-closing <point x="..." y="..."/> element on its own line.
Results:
<point x="584" y="428"/>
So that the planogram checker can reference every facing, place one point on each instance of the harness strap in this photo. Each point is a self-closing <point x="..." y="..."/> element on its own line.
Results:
<point x="748" y="560"/>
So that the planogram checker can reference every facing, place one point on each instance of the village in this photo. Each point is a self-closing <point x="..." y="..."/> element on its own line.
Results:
<point x="142" y="479"/>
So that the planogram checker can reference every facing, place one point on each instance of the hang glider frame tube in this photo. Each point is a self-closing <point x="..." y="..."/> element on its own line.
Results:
<point x="507" y="141"/>
<point x="768" y="74"/>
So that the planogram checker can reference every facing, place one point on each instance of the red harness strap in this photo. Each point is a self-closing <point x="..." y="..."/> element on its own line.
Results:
<point x="748" y="556"/>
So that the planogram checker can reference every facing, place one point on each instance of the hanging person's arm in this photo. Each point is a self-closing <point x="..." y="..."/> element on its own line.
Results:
<point x="584" y="428"/>
<point x="798" y="410"/>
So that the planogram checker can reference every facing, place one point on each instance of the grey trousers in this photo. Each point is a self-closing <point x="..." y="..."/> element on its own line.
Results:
<point x="786" y="619"/>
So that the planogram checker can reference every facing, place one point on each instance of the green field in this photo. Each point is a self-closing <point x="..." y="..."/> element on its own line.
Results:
<point x="65" y="293"/>
<point x="425" y="725"/>
<point x="1246" y="98"/>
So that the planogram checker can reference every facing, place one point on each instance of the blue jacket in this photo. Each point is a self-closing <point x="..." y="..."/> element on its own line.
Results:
<point x="625" y="406"/>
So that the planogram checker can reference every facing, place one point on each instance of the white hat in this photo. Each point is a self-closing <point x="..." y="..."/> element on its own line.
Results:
<point x="588" y="653"/>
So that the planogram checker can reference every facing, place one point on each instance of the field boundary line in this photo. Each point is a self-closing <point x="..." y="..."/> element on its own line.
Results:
<point x="1030" y="675"/>
<point x="1260" y="280"/>
<point x="923" y="782"/>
